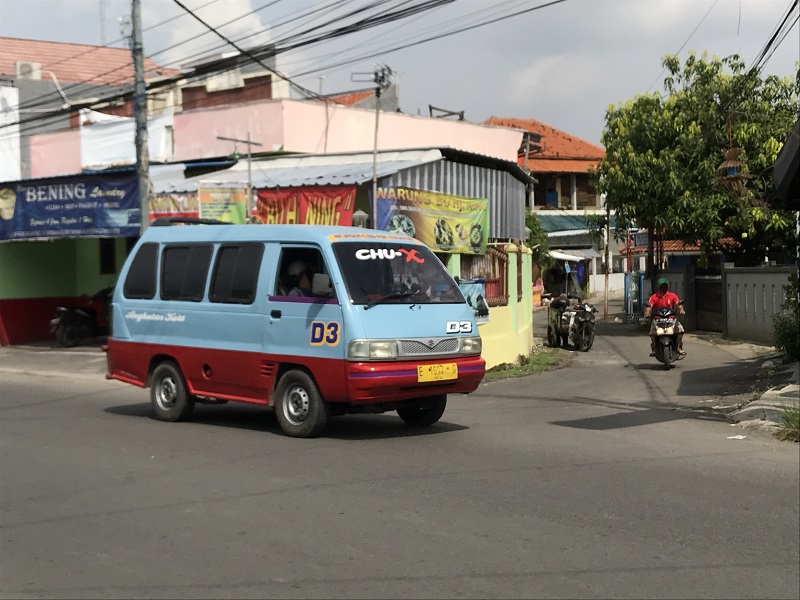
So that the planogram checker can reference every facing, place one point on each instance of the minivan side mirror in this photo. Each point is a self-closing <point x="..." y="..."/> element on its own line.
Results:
<point x="321" y="285"/>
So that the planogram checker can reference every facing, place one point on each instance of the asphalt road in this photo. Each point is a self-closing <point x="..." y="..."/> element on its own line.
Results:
<point x="602" y="479"/>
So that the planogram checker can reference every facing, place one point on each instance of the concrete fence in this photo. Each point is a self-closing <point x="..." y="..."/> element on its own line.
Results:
<point x="750" y="298"/>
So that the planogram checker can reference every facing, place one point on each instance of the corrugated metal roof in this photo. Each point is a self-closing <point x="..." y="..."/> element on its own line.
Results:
<point x="562" y="222"/>
<point x="297" y="171"/>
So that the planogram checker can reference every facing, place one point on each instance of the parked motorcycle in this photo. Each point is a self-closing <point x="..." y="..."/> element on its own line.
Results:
<point x="666" y="336"/>
<point x="75" y="325"/>
<point x="571" y="325"/>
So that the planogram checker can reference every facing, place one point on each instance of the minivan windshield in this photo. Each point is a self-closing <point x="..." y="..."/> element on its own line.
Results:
<point x="394" y="273"/>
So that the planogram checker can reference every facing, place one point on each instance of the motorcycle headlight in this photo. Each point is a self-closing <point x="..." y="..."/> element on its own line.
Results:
<point x="659" y="331"/>
<point x="372" y="349"/>
<point x="471" y="345"/>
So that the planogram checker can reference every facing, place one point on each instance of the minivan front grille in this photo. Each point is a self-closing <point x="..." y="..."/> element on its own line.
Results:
<point x="447" y="345"/>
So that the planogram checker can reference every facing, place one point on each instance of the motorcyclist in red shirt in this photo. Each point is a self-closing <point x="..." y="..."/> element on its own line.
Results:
<point x="664" y="298"/>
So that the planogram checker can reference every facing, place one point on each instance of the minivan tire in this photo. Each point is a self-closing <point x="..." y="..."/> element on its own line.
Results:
<point x="417" y="416"/>
<point x="299" y="406"/>
<point x="168" y="394"/>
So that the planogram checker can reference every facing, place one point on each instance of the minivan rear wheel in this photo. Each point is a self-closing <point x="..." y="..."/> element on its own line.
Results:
<point x="171" y="401"/>
<point x="299" y="406"/>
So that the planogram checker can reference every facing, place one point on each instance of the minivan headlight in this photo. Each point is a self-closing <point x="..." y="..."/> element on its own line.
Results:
<point x="471" y="345"/>
<point x="372" y="349"/>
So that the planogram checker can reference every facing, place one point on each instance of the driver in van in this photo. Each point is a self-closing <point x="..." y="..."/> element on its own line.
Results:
<point x="299" y="278"/>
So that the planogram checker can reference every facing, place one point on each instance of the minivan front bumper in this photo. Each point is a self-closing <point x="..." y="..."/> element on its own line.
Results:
<point x="371" y="382"/>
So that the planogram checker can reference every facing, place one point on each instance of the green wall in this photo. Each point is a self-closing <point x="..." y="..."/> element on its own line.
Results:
<point x="54" y="268"/>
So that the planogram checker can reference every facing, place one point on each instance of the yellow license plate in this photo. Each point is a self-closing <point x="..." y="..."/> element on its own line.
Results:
<point x="441" y="372"/>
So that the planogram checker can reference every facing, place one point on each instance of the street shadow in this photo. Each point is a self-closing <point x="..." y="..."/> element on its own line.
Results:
<point x="261" y="418"/>
<point x="637" y="418"/>
<point x="736" y="377"/>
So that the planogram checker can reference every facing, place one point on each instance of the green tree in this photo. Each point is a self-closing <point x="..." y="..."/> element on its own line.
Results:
<point x="537" y="241"/>
<point x="663" y="153"/>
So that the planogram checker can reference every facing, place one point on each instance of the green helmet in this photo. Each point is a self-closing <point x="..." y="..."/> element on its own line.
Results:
<point x="663" y="281"/>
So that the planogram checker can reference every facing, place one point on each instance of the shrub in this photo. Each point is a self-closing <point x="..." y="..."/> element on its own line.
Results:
<point x="790" y="428"/>
<point x="786" y="326"/>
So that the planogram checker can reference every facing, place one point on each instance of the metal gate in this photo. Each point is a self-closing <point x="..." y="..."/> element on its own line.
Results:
<point x="708" y="302"/>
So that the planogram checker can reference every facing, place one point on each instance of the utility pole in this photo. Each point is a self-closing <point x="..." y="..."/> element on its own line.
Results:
<point x="382" y="77"/>
<point x="608" y="258"/>
<point x="140" y="112"/>
<point x="102" y="15"/>
<point x="249" y="143"/>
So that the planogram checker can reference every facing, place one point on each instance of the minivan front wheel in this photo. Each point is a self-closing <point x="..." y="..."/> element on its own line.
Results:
<point x="168" y="394"/>
<point x="299" y="406"/>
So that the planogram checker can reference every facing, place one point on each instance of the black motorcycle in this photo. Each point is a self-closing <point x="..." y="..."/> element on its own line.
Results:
<point x="571" y="325"/>
<point x="666" y="336"/>
<point x="79" y="324"/>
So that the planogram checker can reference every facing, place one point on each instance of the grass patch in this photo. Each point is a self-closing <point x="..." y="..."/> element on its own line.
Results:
<point x="724" y="342"/>
<point x="790" y="426"/>
<point x="543" y="359"/>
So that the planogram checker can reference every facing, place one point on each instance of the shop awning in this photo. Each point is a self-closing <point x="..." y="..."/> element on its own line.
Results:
<point x="575" y="255"/>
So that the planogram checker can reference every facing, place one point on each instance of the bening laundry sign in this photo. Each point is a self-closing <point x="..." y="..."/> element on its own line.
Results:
<point x="86" y="205"/>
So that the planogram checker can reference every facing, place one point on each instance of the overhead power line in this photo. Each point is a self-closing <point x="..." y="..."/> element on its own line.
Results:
<point x="303" y="40"/>
<point x="225" y="64"/>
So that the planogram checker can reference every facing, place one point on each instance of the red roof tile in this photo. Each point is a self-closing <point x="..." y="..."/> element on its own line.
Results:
<point x="76" y="63"/>
<point x="675" y="246"/>
<point x="547" y="165"/>
<point x="351" y="98"/>
<point x="561" y="151"/>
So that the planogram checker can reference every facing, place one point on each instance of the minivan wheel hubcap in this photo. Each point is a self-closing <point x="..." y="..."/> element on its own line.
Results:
<point x="296" y="405"/>
<point x="167" y="392"/>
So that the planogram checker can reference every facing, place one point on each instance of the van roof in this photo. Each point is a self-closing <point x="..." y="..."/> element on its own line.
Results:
<point x="320" y="234"/>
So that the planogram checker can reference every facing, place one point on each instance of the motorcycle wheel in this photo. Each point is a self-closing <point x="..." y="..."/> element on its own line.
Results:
<point x="585" y="339"/>
<point x="667" y="354"/>
<point x="67" y="336"/>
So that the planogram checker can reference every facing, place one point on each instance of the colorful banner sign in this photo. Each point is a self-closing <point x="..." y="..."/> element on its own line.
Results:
<point x="185" y="205"/>
<point x="474" y="291"/>
<point x="75" y="206"/>
<point x="227" y="204"/>
<point x="444" y="223"/>
<point x="311" y="205"/>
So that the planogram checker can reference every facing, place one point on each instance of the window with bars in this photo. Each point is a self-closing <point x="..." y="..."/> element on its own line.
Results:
<point x="493" y="268"/>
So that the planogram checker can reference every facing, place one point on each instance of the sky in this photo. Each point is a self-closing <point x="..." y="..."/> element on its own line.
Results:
<point x="562" y="64"/>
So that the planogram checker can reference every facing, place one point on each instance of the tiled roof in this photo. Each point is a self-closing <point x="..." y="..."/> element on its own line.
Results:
<point x="560" y="151"/>
<point x="351" y="98"/>
<point x="76" y="63"/>
<point x="549" y="165"/>
<point x="677" y="246"/>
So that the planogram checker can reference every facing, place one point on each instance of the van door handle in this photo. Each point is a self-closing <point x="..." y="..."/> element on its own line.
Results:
<point x="275" y="314"/>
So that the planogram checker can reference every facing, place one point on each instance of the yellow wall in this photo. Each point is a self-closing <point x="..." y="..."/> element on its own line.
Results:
<point x="509" y="332"/>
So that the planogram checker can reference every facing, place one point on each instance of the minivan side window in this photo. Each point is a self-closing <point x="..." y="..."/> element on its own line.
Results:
<point x="141" y="279"/>
<point x="236" y="273"/>
<point x="184" y="271"/>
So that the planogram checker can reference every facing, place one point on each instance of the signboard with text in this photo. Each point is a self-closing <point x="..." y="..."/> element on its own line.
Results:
<point x="174" y="204"/>
<point x="310" y="205"/>
<point x="227" y="204"/>
<point x="75" y="206"/>
<point x="444" y="223"/>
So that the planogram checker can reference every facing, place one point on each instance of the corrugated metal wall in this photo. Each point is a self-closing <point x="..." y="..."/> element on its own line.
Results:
<point x="506" y="194"/>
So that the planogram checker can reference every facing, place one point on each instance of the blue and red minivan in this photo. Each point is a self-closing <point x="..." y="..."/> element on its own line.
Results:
<point x="314" y="321"/>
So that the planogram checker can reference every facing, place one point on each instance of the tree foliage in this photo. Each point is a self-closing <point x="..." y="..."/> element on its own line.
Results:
<point x="537" y="241"/>
<point x="663" y="152"/>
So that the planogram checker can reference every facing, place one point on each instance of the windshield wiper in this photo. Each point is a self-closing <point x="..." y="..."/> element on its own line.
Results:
<point x="392" y="296"/>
